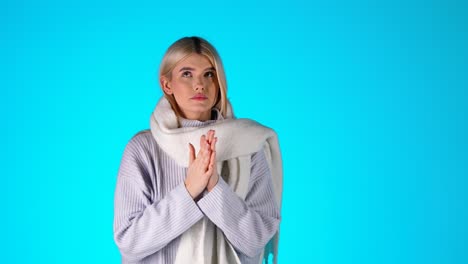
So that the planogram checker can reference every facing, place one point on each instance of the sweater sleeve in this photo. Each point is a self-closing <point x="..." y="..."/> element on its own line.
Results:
<point x="249" y="224"/>
<point x="141" y="226"/>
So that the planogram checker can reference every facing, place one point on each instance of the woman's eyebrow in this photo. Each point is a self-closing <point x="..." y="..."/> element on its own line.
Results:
<point x="192" y="69"/>
<point x="186" y="69"/>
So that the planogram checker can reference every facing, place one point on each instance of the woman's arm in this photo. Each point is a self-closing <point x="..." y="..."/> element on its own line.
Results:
<point x="143" y="227"/>
<point x="249" y="224"/>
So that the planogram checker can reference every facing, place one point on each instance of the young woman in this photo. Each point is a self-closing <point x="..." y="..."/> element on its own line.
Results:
<point x="200" y="186"/>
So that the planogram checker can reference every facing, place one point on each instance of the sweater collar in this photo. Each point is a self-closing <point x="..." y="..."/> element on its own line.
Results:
<point x="215" y="116"/>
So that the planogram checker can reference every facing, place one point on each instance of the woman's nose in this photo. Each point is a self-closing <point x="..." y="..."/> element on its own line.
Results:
<point x="198" y="84"/>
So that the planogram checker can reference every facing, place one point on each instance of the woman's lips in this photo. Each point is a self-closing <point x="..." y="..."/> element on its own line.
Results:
<point x="200" y="97"/>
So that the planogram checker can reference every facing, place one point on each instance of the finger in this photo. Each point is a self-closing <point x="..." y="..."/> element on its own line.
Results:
<point x="207" y="157"/>
<point x="213" y="158"/>
<point x="206" y="148"/>
<point x="213" y="145"/>
<point x="206" y="144"/>
<point x="208" y="140"/>
<point x="210" y="136"/>
<point x="215" y="163"/>
<point x="191" y="154"/>
<point x="213" y="136"/>
<point x="202" y="140"/>
<point x="211" y="165"/>
<point x="209" y="172"/>
<point x="202" y="144"/>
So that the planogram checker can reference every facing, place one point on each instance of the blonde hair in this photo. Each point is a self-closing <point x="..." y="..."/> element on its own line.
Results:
<point x="183" y="48"/>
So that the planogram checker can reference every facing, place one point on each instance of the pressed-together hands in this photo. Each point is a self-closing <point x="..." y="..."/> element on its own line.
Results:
<point x="202" y="172"/>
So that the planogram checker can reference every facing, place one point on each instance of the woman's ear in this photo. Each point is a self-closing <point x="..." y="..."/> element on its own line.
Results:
<point x="165" y="84"/>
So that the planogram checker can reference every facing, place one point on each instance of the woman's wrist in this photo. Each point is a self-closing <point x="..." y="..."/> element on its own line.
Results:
<point x="211" y="186"/>
<point x="189" y="190"/>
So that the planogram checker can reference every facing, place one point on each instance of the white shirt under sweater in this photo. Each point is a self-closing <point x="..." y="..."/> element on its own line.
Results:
<point x="152" y="207"/>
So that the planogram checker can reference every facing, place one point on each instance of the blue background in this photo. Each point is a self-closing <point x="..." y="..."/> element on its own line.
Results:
<point x="369" y="100"/>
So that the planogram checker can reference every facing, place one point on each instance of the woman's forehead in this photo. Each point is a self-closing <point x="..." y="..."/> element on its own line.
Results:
<point x="195" y="61"/>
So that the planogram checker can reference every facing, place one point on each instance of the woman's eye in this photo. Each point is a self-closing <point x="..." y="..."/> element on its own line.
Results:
<point x="209" y="74"/>
<point x="186" y="74"/>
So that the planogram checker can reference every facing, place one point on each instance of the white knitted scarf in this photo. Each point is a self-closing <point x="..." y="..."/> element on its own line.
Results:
<point x="238" y="139"/>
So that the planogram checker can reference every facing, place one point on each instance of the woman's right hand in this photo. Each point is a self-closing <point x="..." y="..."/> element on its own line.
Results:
<point x="199" y="171"/>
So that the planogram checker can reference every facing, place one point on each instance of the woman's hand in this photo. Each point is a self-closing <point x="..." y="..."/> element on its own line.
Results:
<point x="200" y="167"/>
<point x="214" y="177"/>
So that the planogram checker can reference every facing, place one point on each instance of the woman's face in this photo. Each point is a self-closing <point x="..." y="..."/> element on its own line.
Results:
<point x="194" y="86"/>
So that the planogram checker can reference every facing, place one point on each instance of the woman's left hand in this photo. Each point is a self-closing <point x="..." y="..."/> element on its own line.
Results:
<point x="211" y="139"/>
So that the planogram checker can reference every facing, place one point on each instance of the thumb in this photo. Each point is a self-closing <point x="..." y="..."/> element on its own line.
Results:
<point x="191" y="154"/>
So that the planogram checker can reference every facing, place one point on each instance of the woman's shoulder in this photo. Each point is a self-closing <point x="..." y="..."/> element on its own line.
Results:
<point x="142" y="140"/>
<point x="143" y="134"/>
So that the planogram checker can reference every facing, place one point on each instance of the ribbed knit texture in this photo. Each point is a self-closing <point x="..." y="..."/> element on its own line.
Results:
<point x="152" y="207"/>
